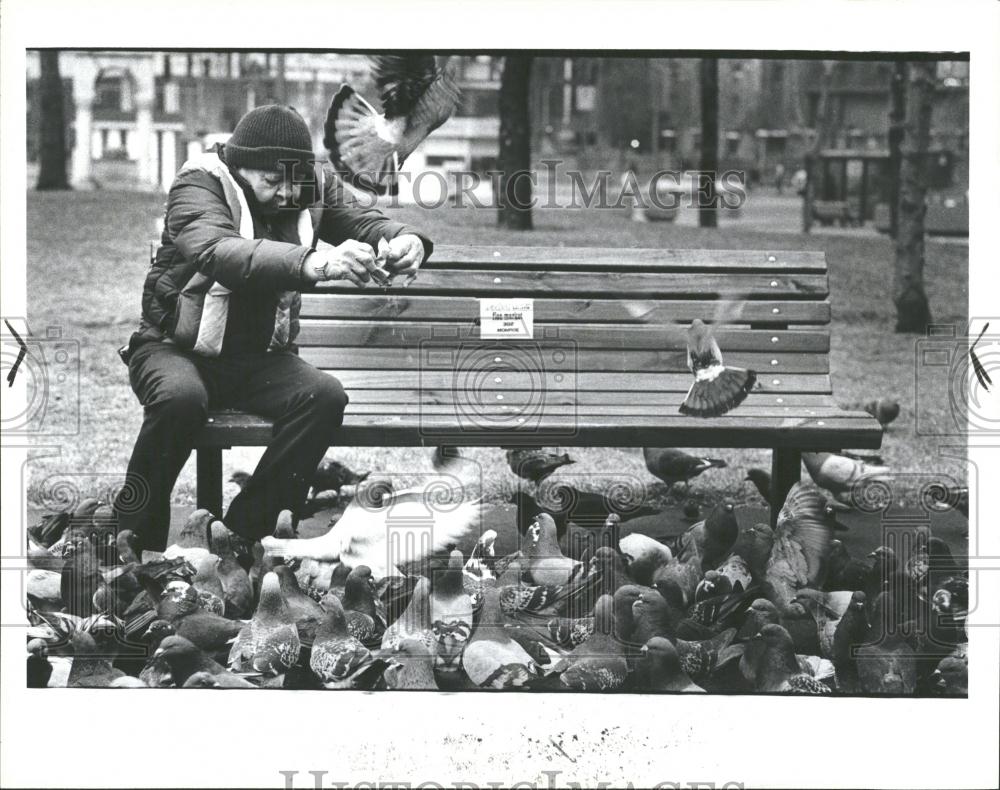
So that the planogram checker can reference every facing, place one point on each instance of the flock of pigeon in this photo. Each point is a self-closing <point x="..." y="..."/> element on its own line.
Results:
<point x="587" y="601"/>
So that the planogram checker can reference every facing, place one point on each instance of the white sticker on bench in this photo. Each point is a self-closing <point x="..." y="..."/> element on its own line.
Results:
<point x="507" y="318"/>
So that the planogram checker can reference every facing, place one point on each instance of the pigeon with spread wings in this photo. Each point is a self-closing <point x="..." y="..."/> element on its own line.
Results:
<point x="717" y="389"/>
<point x="369" y="147"/>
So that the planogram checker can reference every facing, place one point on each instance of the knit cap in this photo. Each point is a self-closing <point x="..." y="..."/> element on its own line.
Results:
<point x="267" y="136"/>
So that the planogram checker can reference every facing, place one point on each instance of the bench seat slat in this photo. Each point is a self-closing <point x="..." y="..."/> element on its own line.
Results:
<point x="632" y="311"/>
<point x="602" y="410"/>
<point x="585" y="360"/>
<point x="728" y="431"/>
<point x="451" y="256"/>
<point x="528" y="284"/>
<point x="528" y="382"/>
<point x="651" y="400"/>
<point x="409" y="334"/>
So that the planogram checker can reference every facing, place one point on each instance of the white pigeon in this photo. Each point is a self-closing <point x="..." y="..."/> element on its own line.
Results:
<point x="647" y="555"/>
<point x="407" y="526"/>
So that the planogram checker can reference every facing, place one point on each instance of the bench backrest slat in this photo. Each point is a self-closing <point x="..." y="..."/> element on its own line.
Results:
<point x="574" y="284"/>
<point x="404" y="334"/>
<point x="549" y="310"/>
<point x="625" y="258"/>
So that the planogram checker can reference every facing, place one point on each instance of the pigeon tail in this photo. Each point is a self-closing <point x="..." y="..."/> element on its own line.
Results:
<point x="717" y="390"/>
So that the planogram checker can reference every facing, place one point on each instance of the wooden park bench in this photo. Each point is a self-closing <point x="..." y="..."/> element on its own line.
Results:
<point x="606" y="367"/>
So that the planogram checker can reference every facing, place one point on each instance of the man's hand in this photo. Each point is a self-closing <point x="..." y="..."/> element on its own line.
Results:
<point x="352" y="260"/>
<point x="406" y="253"/>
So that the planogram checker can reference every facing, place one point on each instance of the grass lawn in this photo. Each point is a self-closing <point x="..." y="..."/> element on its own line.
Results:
<point x="88" y="253"/>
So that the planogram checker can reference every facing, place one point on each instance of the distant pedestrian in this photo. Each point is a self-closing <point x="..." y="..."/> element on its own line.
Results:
<point x="779" y="177"/>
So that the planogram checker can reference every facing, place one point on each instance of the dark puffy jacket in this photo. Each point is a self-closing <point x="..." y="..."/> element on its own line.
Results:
<point x="202" y="249"/>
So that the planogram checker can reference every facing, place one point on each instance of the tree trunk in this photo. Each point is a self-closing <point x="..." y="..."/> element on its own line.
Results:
<point x="824" y="127"/>
<point x="897" y="117"/>
<point x="514" y="161"/>
<point x="52" y="125"/>
<point x="708" y="216"/>
<point x="280" y="86"/>
<point x="912" y="311"/>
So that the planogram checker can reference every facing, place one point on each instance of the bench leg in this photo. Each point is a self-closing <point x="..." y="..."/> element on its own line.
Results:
<point x="786" y="469"/>
<point x="209" y="467"/>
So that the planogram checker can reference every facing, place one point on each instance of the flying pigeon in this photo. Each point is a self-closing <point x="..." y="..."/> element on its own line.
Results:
<point x="801" y="545"/>
<point x="716" y="389"/>
<point x="369" y="147"/>
<point x="362" y="535"/>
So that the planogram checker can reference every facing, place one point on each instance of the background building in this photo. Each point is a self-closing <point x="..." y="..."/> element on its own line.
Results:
<point x="135" y="116"/>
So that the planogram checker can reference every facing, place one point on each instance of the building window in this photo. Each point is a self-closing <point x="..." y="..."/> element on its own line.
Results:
<point x="953" y="73"/>
<point x="109" y="93"/>
<point x="732" y="143"/>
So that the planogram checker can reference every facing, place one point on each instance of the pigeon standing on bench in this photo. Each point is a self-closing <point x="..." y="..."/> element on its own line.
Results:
<point x="676" y="466"/>
<point x="369" y="147"/>
<point x="717" y="389"/>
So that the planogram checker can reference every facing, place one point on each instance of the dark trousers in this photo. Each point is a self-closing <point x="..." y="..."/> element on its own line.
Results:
<point x="177" y="388"/>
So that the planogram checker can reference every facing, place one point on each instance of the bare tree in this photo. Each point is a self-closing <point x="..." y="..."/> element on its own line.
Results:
<point x="514" y="161"/>
<point x="708" y="213"/>
<point x="823" y="134"/>
<point x="52" y="125"/>
<point x="912" y="310"/>
<point x="897" y="118"/>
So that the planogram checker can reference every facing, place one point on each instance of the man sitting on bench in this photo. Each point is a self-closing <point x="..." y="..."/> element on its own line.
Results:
<point x="220" y="314"/>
